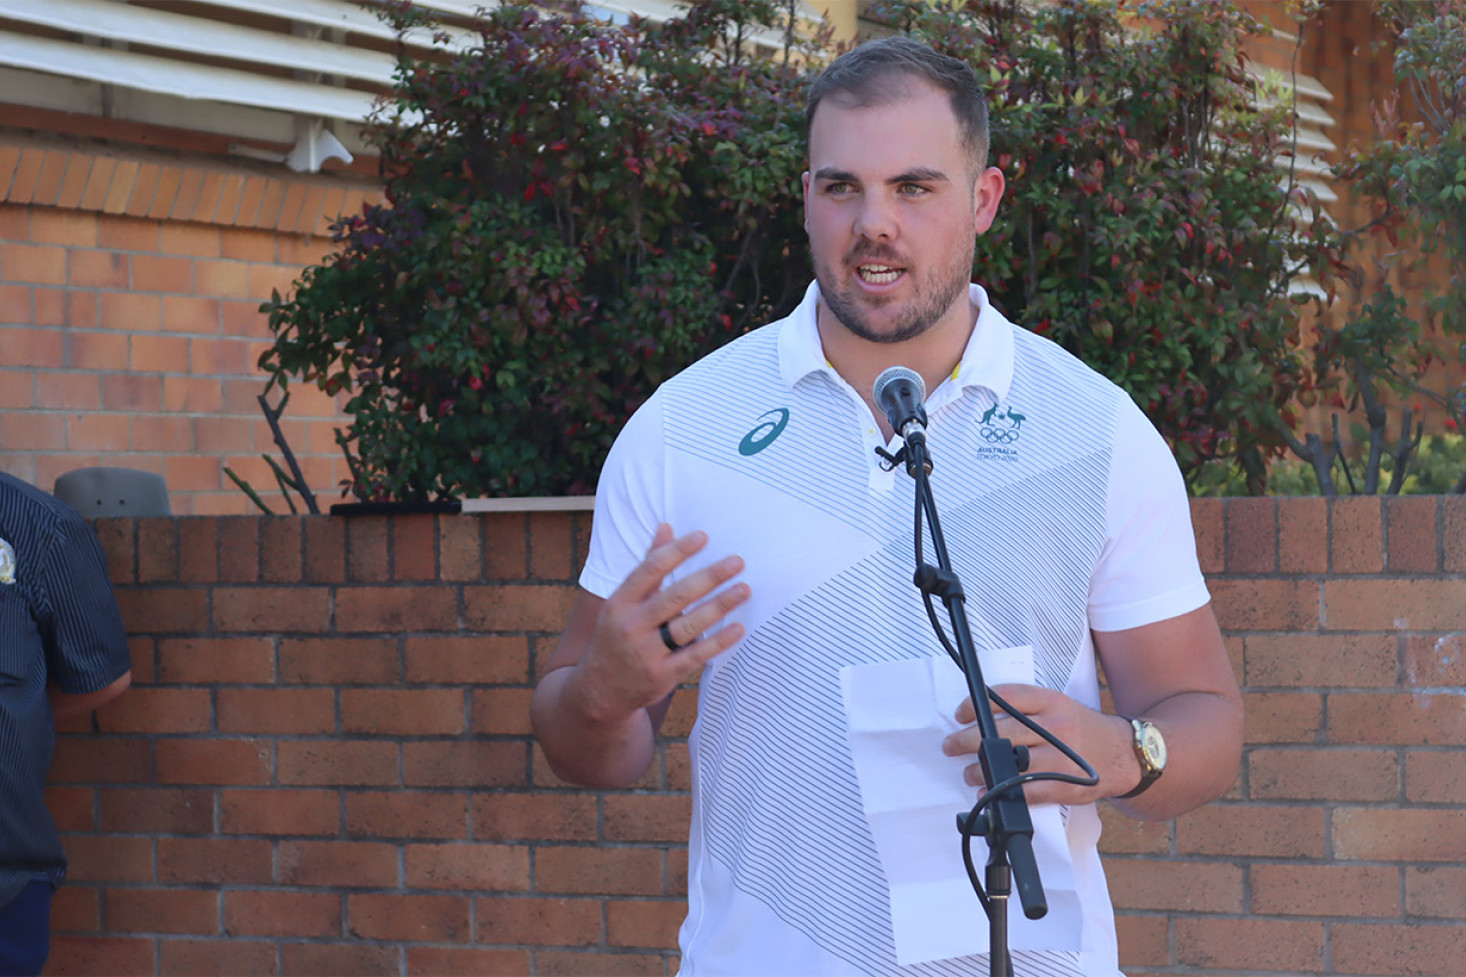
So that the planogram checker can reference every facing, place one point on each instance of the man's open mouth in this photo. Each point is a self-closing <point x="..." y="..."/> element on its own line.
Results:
<point x="878" y="274"/>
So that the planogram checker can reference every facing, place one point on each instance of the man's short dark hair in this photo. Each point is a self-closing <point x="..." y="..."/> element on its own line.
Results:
<point x="879" y="72"/>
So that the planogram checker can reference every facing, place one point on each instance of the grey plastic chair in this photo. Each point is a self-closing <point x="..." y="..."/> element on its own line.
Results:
<point x="98" y="492"/>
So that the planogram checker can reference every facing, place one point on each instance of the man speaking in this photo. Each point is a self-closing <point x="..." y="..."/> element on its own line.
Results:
<point x="790" y="591"/>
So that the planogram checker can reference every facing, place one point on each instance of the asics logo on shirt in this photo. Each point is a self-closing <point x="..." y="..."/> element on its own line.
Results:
<point x="766" y="433"/>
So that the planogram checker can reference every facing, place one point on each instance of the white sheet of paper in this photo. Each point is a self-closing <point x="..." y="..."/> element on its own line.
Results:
<point x="898" y="714"/>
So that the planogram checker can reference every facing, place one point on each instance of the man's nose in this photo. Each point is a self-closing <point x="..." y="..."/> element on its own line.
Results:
<point x="876" y="219"/>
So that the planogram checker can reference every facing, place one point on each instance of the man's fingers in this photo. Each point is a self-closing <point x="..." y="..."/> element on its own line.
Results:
<point x="676" y="599"/>
<point x="969" y="739"/>
<point x="690" y="660"/>
<point x="664" y="556"/>
<point x="664" y="535"/>
<point x="1027" y="699"/>
<point x="685" y="627"/>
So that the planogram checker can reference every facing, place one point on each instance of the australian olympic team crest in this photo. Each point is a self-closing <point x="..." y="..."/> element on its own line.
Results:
<point x="7" y="563"/>
<point x="1000" y="426"/>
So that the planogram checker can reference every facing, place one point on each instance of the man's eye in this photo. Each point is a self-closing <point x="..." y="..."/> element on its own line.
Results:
<point x="912" y="189"/>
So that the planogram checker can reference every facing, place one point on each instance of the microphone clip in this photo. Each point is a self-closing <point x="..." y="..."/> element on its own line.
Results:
<point x="890" y="462"/>
<point x="942" y="584"/>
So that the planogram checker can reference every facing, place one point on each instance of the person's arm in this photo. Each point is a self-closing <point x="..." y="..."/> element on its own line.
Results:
<point x="608" y="683"/>
<point x="87" y="658"/>
<point x="66" y="707"/>
<point x="1174" y="673"/>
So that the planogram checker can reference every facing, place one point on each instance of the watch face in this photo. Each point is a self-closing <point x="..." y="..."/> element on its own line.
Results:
<point x="1154" y="747"/>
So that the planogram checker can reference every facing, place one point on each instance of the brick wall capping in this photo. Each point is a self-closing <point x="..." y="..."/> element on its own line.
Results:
<point x="547" y="503"/>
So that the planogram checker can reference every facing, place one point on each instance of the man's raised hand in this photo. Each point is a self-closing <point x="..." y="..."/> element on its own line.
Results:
<point x="629" y="665"/>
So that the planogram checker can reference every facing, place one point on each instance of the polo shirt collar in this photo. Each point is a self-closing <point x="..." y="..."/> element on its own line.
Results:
<point x="987" y="361"/>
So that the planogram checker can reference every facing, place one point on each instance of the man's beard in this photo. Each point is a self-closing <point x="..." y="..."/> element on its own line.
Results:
<point x="934" y="297"/>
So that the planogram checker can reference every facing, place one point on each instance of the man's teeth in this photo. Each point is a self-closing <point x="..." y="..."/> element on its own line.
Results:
<point x="878" y="274"/>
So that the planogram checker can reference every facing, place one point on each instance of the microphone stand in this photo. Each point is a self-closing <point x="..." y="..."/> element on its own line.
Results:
<point x="1001" y="816"/>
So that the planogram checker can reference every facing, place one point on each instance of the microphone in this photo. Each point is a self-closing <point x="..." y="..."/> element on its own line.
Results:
<point x="901" y="395"/>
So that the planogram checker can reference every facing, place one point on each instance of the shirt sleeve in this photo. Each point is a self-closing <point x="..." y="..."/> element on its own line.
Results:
<point x="630" y="501"/>
<point x="1148" y="570"/>
<point x="86" y="645"/>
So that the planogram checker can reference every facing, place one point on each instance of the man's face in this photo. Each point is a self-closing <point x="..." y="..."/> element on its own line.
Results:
<point x="893" y="206"/>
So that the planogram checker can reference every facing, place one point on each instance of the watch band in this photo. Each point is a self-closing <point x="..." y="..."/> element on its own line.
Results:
<point x="1150" y="772"/>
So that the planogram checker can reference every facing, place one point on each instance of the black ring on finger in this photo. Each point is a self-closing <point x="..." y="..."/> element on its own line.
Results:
<point x="667" y="638"/>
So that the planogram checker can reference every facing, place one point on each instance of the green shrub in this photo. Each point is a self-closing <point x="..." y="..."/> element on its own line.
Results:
<point x="575" y="211"/>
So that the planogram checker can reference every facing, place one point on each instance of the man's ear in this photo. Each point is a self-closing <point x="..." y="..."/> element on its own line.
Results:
<point x="987" y="193"/>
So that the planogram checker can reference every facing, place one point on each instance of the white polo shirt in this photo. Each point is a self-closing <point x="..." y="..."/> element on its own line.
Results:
<point x="1063" y="512"/>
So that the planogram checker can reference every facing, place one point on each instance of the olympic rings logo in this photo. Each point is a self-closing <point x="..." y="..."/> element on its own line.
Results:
<point x="1001" y="435"/>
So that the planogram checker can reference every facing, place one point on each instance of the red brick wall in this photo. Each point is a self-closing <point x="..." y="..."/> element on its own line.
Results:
<point x="326" y="767"/>
<point x="130" y="286"/>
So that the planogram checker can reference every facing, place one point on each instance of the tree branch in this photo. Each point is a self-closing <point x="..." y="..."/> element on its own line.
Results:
<point x="297" y="480"/>
<point x="1403" y="449"/>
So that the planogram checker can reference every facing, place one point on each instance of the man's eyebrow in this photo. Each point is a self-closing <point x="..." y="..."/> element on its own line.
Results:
<point x="922" y="174"/>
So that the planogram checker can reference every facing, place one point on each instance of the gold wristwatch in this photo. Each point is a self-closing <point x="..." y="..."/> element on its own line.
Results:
<point x="1150" y="750"/>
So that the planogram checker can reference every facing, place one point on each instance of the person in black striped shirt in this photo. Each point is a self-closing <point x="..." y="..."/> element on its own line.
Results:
<point x="63" y="653"/>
